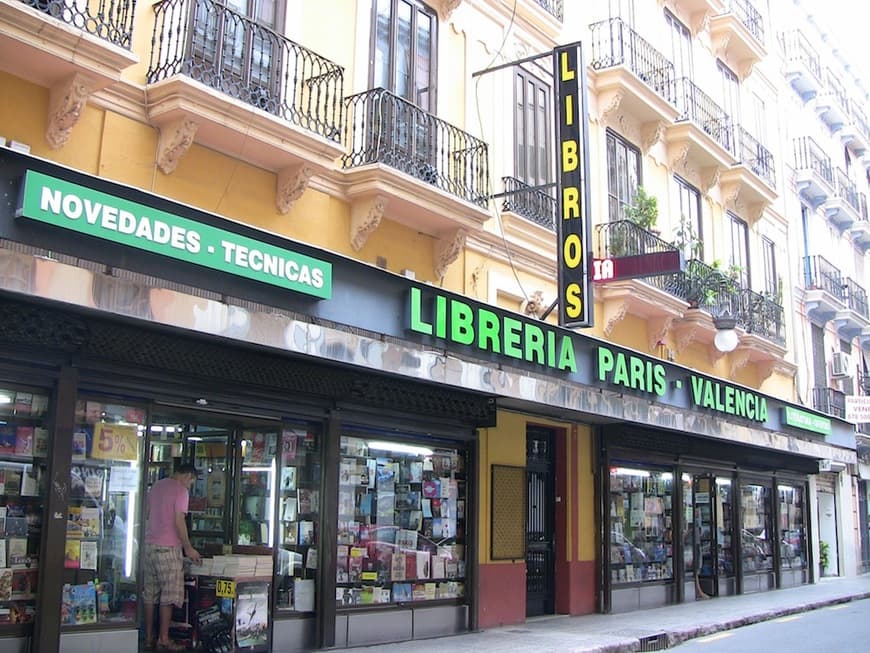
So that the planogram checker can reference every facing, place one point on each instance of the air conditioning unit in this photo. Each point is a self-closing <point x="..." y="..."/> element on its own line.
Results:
<point x="841" y="365"/>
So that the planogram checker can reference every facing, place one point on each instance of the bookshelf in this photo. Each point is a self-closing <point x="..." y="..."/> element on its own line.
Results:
<point x="24" y="438"/>
<point x="209" y="496"/>
<point x="401" y="523"/>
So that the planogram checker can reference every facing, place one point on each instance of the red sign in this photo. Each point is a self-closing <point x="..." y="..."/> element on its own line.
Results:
<point x="642" y="265"/>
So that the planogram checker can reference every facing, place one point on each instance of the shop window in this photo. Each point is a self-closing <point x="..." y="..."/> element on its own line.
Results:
<point x="757" y="548"/>
<point x="298" y="518"/>
<point x="792" y="530"/>
<point x="401" y="523"/>
<point x="102" y="537"/>
<point x="641" y="547"/>
<point x="24" y="439"/>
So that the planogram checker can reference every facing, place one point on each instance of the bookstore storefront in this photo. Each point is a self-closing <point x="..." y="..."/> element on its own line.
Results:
<point x="689" y="518"/>
<point x="331" y="503"/>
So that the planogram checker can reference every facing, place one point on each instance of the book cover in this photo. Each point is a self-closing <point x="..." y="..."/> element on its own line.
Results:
<point x="342" y="556"/>
<point x="7" y="439"/>
<point x="309" y="501"/>
<point x="88" y="555"/>
<point x="288" y="447"/>
<point x="16" y="525"/>
<point x="288" y="478"/>
<point x="2" y="552"/>
<point x="74" y="522"/>
<point x="306" y="533"/>
<point x="418" y="592"/>
<point x="23" y="403"/>
<point x="354" y="568"/>
<point x="303" y="594"/>
<point x="83" y="600"/>
<point x="40" y="442"/>
<point x="16" y="552"/>
<point x="311" y="558"/>
<point x="397" y="567"/>
<point x="252" y="616"/>
<point x="24" y="582"/>
<point x="90" y="522"/>
<point x="5" y="584"/>
<point x="24" y="441"/>
<point x="422" y="560"/>
<point x="30" y="482"/>
<point x="291" y="533"/>
<point x="79" y="444"/>
<point x="72" y="554"/>
<point x="288" y="509"/>
<point x="402" y="592"/>
<point x="431" y="489"/>
<point x="3" y="525"/>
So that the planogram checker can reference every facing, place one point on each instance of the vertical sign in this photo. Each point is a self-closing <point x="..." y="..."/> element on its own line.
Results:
<point x="575" y="297"/>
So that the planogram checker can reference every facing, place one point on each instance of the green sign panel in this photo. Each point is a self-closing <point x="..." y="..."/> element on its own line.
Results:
<point x="87" y="211"/>
<point x="807" y="421"/>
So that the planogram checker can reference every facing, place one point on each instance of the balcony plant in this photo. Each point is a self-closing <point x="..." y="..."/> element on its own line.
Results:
<point x="643" y="213"/>
<point x="686" y="239"/>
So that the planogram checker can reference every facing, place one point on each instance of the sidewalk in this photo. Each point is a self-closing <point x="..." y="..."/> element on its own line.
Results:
<point x="623" y="632"/>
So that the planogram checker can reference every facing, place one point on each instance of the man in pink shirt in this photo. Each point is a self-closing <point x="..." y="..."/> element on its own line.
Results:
<point x="165" y="540"/>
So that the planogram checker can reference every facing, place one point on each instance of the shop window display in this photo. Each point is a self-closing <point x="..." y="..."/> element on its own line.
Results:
<point x="102" y="524"/>
<point x="791" y="527"/>
<point x="23" y="451"/>
<point x="757" y="548"/>
<point x="641" y="547"/>
<point x="401" y="523"/>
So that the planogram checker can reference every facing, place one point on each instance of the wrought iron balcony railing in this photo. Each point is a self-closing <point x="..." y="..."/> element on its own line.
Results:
<point x="615" y="44"/>
<point x="531" y="203"/>
<point x="553" y="7"/>
<point x="621" y="238"/>
<point x="862" y="206"/>
<point x="750" y="17"/>
<point x="797" y="48"/>
<point x="821" y="274"/>
<point x="384" y="128"/>
<point x="808" y="155"/>
<point x="761" y="314"/>
<point x="830" y="401"/>
<point x="110" y="20"/>
<point x="856" y="297"/>
<point x="756" y="157"/>
<point x="846" y="190"/>
<point x="859" y="118"/>
<point x="836" y="91"/>
<point x="698" y="107"/>
<point x="225" y="50"/>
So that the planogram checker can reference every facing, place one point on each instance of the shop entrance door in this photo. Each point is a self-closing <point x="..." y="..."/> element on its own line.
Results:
<point x="713" y="541"/>
<point x="540" y="522"/>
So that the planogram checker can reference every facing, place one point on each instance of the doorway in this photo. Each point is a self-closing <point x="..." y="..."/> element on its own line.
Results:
<point x="713" y="546"/>
<point x="540" y="522"/>
<point x="828" y="531"/>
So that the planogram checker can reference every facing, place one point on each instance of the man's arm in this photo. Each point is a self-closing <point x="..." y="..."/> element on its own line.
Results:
<point x="181" y="529"/>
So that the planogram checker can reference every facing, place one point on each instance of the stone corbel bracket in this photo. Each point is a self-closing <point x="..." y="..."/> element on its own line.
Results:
<point x="710" y="177"/>
<point x="614" y="313"/>
<point x="446" y="250"/>
<point x="651" y="133"/>
<point x="291" y="182"/>
<point x="174" y="142"/>
<point x="67" y="100"/>
<point x="608" y="105"/>
<point x="657" y="329"/>
<point x="739" y="360"/>
<point x="365" y="217"/>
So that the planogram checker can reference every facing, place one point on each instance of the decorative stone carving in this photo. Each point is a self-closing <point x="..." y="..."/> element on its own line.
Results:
<point x="700" y="22"/>
<point x="534" y="305"/>
<point x="753" y="212"/>
<point x="446" y="250"/>
<point x="608" y="106"/>
<point x="739" y="359"/>
<point x="658" y="328"/>
<point x="710" y="177"/>
<point x="290" y="184"/>
<point x="614" y="313"/>
<point x="730" y="195"/>
<point x="66" y="103"/>
<point x="652" y="133"/>
<point x="174" y="142"/>
<point x="365" y="216"/>
<point x="720" y="44"/>
<point x="448" y="7"/>
<point x="680" y="156"/>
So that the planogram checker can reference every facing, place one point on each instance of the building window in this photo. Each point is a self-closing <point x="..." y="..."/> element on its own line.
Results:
<point x="403" y="51"/>
<point x="689" y="236"/>
<point x="768" y="254"/>
<point x="739" y="256"/>
<point x="681" y="46"/>
<point x="532" y="129"/>
<point x="623" y="175"/>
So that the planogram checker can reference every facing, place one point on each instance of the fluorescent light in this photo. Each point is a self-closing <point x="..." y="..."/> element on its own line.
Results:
<point x="256" y="468"/>
<point x="723" y="481"/>
<point x="5" y="399"/>
<point x="398" y="447"/>
<point x="628" y="471"/>
<point x="194" y="438"/>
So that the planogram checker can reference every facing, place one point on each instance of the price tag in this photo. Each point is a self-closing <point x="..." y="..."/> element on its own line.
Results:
<point x="225" y="588"/>
<point x="115" y="442"/>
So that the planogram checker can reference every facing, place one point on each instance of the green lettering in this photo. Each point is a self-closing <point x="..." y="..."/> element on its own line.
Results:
<point x="740" y="403"/>
<point x="440" y="316"/>
<point x="417" y="322"/>
<point x="636" y="380"/>
<point x="697" y="387"/>
<point x="761" y="416"/>
<point x="534" y="344"/>
<point x="660" y="380"/>
<point x="512" y="330"/>
<point x="729" y="399"/>
<point x="488" y="328"/>
<point x="567" y="361"/>
<point x="620" y="376"/>
<point x="461" y="323"/>
<point x="605" y="362"/>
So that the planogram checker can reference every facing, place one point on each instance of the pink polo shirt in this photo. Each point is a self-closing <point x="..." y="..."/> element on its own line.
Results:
<point x="166" y="498"/>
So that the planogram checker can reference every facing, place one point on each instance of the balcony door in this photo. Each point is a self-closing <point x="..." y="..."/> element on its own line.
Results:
<point x="237" y="47"/>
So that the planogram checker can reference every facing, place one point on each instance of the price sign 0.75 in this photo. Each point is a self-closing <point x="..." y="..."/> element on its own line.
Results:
<point x="225" y="588"/>
<point x="115" y="442"/>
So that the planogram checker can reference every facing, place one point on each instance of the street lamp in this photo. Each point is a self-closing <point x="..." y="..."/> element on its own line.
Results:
<point x="726" y="338"/>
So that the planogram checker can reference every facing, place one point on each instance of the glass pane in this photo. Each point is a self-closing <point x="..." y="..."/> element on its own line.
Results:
<point x="520" y="131"/>
<point x="403" y="53"/>
<point x="103" y="521"/>
<point x="688" y="522"/>
<point x="401" y="523"/>
<point x="24" y="442"/>
<point x="791" y="527"/>
<point x="383" y="56"/>
<point x="723" y="527"/>
<point x="298" y="518"/>
<point x="757" y="547"/>
<point x="424" y="63"/>
<point x="258" y="488"/>
<point x="641" y="546"/>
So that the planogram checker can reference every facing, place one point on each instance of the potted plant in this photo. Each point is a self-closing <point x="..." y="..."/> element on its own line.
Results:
<point x="686" y="240"/>
<point x="824" y="552"/>
<point x="643" y="212"/>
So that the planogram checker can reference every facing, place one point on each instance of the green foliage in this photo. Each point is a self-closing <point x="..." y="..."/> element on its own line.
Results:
<point x="644" y="211"/>
<point x="685" y="238"/>
<point x="824" y="553"/>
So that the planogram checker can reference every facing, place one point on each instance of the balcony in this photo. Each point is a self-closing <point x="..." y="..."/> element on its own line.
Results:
<point x="859" y="232"/>
<point x="803" y="68"/>
<point x="825" y="293"/>
<point x="425" y="172"/>
<point x="695" y="13"/>
<point x="832" y="103"/>
<point x="856" y="134"/>
<point x="632" y="78"/>
<point x="529" y="214"/>
<point x="737" y="36"/>
<point x="842" y="208"/>
<point x="552" y="7"/>
<point x="830" y="401"/>
<point x="71" y="48"/>
<point x="703" y="136"/>
<point x="814" y="176"/>
<point x="855" y="318"/>
<point x="226" y="82"/>
<point x="753" y="180"/>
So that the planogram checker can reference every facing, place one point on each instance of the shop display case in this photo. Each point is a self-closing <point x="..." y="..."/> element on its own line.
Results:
<point x="641" y="524"/>
<point x="401" y="523"/>
<point x="24" y="439"/>
<point x="792" y="531"/>
<point x="102" y="536"/>
<point x="298" y="519"/>
<point x="210" y="516"/>
<point x="257" y="488"/>
<point x="756" y="546"/>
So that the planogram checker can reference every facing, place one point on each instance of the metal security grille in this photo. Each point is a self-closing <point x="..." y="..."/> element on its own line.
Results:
<point x="657" y="642"/>
<point x="540" y="517"/>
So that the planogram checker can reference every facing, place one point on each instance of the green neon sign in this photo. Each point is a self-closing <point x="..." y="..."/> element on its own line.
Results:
<point x="728" y="399"/>
<point x="93" y="213"/>
<point x="807" y="421"/>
